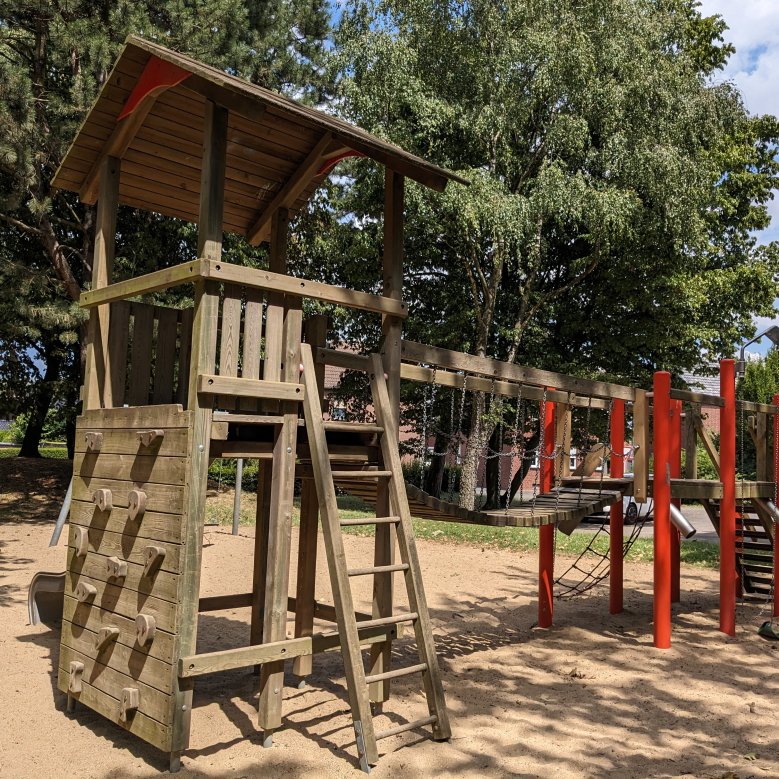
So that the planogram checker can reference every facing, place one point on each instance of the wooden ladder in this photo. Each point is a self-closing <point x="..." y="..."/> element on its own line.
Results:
<point x="340" y="573"/>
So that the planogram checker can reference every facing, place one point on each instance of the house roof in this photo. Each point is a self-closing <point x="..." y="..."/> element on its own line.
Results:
<point x="151" y="111"/>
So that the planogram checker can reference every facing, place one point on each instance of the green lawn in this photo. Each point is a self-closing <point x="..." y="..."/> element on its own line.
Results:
<point x="52" y="452"/>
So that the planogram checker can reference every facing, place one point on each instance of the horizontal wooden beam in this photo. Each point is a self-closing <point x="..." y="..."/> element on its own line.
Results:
<point x="701" y="398"/>
<point x="757" y="408"/>
<point x="485" y="366"/>
<point x="233" y="99"/>
<point x="290" y="190"/>
<point x="315" y="290"/>
<point x="245" y="657"/>
<point x="249" y="388"/>
<point x="141" y="285"/>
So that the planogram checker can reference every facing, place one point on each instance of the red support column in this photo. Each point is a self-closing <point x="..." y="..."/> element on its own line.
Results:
<point x="776" y="527"/>
<point x="676" y="472"/>
<point x="546" y="532"/>
<point x="616" y="532"/>
<point x="727" y="521"/>
<point x="662" y="507"/>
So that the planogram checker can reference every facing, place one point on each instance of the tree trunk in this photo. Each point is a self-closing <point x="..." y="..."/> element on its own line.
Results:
<point x="435" y="474"/>
<point x="492" y="471"/>
<point x="524" y="466"/>
<point x="481" y="430"/>
<point x="40" y="407"/>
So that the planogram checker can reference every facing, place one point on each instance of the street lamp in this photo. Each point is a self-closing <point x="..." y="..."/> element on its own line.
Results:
<point x="772" y="333"/>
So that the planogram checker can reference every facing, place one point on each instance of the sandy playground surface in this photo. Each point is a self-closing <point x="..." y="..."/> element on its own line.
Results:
<point x="589" y="698"/>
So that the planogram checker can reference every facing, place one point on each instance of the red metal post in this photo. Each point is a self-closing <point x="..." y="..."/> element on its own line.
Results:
<point x="546" y="542"/>
<point x="776" y="527"/>
<point x="616" y="532"/>
<point x="662" y="508"/>
<point x="727" y="517"/>
<point x="676" y="472"/>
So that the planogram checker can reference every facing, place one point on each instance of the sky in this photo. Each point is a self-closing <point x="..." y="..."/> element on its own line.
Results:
<point x="754" y="31"/>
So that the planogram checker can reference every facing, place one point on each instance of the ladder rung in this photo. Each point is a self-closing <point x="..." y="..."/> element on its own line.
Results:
<point x="370" y="521"/>
<point x="408" y="726"/>
<point x="410" y="616"/>
<point x="349" y="475"/>
<point x="378" y="569"/>
<point x="353" y="427"/>
<point x="397" y="673"/>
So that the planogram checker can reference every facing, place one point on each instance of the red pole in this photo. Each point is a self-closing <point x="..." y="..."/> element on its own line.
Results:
<point x="776" y="527"/>
<point x="661" y="489"/>
<point x="546" y="541"/>
<point x="676" y="472"/>
<point x="727" y="517"/>
<point x="616" y="530"/>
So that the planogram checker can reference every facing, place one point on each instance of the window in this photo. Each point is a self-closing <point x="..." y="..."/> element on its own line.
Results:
<point x="338" y="413"/>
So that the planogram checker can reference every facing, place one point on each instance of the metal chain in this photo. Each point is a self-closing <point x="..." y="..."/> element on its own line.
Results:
<point x="514" y="438"/>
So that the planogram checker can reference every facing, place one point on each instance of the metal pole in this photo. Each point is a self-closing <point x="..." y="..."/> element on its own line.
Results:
<point x="546" y="532"/>
<point x="676" y="472"/>
<point x="616" y="519"/>
<point x="237" y="500"/>
<point x="662" y="507"/>
<point x="63" y="515"/>
<point x="727" y="455"/>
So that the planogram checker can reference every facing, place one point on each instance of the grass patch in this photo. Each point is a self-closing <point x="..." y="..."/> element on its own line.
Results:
<point x="219" y="509"/>
<point x="48" y="452"/>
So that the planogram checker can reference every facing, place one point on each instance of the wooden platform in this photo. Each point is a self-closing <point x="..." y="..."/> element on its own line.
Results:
<point x="689" y="489"/>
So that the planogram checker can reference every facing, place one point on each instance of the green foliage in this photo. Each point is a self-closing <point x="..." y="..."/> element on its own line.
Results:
<point x="761" y="379"/>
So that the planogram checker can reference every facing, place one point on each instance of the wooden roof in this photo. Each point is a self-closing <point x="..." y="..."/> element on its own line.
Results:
<point x="277" y="150"/>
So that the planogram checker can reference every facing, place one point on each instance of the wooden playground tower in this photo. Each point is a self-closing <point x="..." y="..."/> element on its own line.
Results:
<point x="240" y="374"/>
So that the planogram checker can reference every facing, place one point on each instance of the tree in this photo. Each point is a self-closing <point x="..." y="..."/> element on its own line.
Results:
<point x="606" y="230"/>
<point x="54" y="57"/>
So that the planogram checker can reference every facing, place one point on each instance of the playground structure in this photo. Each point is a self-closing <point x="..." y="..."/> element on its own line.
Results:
<point x="240" y="374"/>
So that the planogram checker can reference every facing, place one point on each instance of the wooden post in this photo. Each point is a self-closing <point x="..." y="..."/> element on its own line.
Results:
<point x="763" y="470"/>
<point x="676" y="472"/>
<point x="546" y="532"/>
<point x="274" y="326"/>
<point x="98" y="388"/>
<point x="316" y="335"/>
<point x="640" y="447"/>
<point x="690" y="438"/>
<point x="776" y="527"/>
<point x="202" y="360"/>
<point x="727" y="518"/>
<point x="662" y="508"/>
<point x="392" y="333"/>
<point x="616" y="519"/>
<point x="281" y="505"/>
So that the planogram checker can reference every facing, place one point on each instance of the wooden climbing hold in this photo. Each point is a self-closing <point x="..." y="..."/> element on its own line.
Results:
<point x="145" y="628"/>
<point x="94" y="441"/>
<point x="150" y="437"/>
<point x="81" y="540"/>
<point x="85" y="591"/>
<point x="105" y="636"/>
<point x="136" y="504"/>
<point x="117" y="569"/>
<point x="103" y="499"/>
<point x="76" y="670"/>
<point x="154" y="556"/>
<point x="129" y="702"/>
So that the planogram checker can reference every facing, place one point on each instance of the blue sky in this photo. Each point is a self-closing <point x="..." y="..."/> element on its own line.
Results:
<point x="754" y="31"/>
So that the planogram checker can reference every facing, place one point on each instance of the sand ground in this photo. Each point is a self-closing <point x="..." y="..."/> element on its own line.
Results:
<point x="589" y="698"/>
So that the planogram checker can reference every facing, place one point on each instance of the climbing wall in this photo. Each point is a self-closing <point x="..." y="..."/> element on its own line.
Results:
<point x="121" y="617"/>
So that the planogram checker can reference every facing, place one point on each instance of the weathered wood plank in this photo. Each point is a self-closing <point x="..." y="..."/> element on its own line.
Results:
<point x="641" y="446"/>
<point x="118" y="340"/>
<point x="126" y="547"/>
<point x="141" y="354"/>
<point x="144" y="727"/>
<point x="153" y="703"/>
<point x="161" y="498"/>
<point x="163" y="416"/>
<point x="79" y="616"/>
<point x="140" y="468"/>
<point x="248" y="388"/>
<point x="163" y="584"/>
<point x="152" y="525"/>
<point x="125" y="603"/>
<point x="165" y="355"/>
<point x="123" y="440"/>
